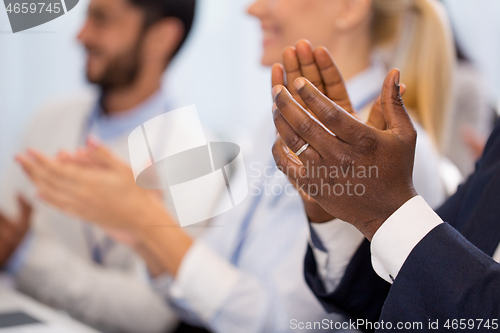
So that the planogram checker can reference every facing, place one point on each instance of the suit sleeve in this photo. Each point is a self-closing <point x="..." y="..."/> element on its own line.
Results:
<point x="450" y="209"/>
<point x="445" y="277"/>
<point x="361" y="292"/>
<point x="467" y="194"/>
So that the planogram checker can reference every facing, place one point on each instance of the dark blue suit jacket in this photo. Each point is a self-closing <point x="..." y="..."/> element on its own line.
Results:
<point x="448" y="275"/>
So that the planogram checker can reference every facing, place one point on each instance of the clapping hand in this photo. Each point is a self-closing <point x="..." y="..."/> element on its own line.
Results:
<point x="91" y="184"/>
<point x="334" y="140"/>
<point x="320" y="69"/>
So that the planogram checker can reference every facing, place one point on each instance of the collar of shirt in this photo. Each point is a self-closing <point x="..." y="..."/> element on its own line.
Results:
<point x="366" y="86"/>
<point x="108" y="127"/>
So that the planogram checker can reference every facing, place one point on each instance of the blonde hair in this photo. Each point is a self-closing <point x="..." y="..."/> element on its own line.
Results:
<point x="424" y="52"/>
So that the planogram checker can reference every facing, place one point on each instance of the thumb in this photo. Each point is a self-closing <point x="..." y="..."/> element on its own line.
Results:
<point x="376" y="118"/>
<point x="392" y="105"/>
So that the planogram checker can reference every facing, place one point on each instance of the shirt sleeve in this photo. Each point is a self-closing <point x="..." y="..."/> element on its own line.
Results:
<point x="398" y="236"/>
<point x="224" y="298"/>
<point x="208" y="291"/>
<point x="333" y="244"/>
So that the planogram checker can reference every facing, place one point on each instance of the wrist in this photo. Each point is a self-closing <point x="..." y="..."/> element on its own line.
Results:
<point x="369" y="228"/>
<point x="147" y="211"/>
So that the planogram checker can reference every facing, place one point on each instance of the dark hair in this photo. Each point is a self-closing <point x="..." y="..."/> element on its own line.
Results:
<point x="157" y="10"/>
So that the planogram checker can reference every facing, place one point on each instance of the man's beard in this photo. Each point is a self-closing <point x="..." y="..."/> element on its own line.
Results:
<point x="120" y="72"/>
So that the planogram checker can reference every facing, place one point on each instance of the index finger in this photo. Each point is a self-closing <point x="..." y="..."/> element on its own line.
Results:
<point x="344" y="125"/>
<point x="304" y="125"/>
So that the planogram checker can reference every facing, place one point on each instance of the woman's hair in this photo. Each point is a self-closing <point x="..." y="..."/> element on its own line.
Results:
<point x="424" y="51"/>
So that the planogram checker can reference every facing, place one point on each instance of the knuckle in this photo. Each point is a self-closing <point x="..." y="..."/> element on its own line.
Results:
<point x="295" y="142"/>
<point x="307" y="96"/>
<point x="276" y="116"/>
<point x="368" y="143"/>
<point x="305" y="128"/>
<point x="398" y="101"/>
<point x="332" y="117"/>
<point x="281" y="100"/>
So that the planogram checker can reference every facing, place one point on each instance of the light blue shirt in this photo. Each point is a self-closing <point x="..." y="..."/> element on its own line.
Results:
<point x="107" y="128"/>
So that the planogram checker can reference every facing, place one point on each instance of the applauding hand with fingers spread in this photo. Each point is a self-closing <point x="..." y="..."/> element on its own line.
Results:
<point x="342" y="152"/>
<point x="93" y="184"/>
<point x="319" y="68"/>
<point x="98" y="187"/>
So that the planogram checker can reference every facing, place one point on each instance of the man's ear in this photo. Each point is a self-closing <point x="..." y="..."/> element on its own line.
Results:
<point x="162" y="39"/>
<point x="353" y="13"/>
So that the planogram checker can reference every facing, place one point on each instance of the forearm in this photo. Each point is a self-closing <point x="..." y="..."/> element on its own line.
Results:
<point x="164" y="243"/>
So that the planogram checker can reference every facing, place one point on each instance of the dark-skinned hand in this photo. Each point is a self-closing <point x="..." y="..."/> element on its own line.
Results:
<point x="320" y="69"/>
<point x="340" y="141"/>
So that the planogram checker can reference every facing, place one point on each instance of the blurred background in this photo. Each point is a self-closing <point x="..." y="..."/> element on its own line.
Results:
<point x="46" y="62"/>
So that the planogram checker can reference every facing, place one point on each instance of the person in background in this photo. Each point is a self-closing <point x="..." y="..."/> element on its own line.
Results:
<point x="64" y="261"/>
<point x="367" y="36"/>
<point x="248" y="274"/>
<point x="471" y="117"/>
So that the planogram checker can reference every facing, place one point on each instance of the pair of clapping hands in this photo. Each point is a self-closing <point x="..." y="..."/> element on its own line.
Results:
<point x="314" y="117"/>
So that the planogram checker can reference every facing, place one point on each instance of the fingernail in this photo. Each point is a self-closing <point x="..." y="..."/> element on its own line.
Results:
<point x="299" y="83"/>
<point x="397" y="78"/>
<point x="276" y="90"/>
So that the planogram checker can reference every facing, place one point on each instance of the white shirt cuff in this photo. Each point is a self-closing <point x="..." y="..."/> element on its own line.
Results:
<point x="396" y="238"/>
<point x="204" y="281"/>
<point x="341" y="241"/>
